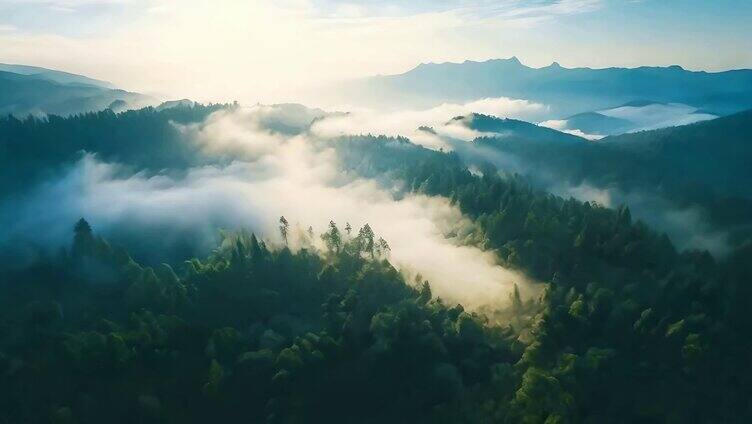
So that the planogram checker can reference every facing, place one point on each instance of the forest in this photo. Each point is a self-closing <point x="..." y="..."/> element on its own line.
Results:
<point x="375" y="212"/>
<point x="300" y="325"/>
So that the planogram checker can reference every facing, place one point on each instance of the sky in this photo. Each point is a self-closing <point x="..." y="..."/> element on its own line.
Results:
<point x="271" y="51"/>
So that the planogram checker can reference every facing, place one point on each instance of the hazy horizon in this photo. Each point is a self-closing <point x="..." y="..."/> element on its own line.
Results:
<point x="274" y="52"/>
<point x="326" y="231"/>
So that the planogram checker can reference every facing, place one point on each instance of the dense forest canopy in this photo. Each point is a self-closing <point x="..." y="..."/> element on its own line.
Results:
<point x="34" y="148"/>
<point x="302" y="325"/>
<point x="698" y="171"/>
<point x="367" y="212"/>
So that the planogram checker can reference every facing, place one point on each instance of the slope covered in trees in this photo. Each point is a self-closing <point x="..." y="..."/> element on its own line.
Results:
<point x="257" y="333"/>
<point x="251" y="333"/>
<point x="514" y="129"/>
<point x="38" y="91"/>
<point x="33" y="149"/>
<point x="711" y="155"/>
<point x="628" y="318"/>
<point x="627" y="329"/>
<point x="700" y="165"/>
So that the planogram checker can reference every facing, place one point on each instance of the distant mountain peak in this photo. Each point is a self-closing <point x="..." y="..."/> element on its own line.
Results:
<point x="515" y="60"/>
<point x="565" y="91"/>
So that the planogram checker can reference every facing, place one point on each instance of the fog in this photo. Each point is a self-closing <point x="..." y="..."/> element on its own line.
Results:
<point x="274" y="174"/>
<point x="637" y="117"/>
<point x="406" y="123"/>
<point x="562" y="125"/>
<point x="687" y="227"/>
<point x="658" y="115"/>
<point x="274" y="163"/>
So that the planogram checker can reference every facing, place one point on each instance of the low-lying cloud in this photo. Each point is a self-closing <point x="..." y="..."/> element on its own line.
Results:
<point x="688" y="227"/>
<point x="658" y="115"/>
<point x="629" y="118"/>
<point x="275" y="175"/>
<point x="563" y="126"/>
<point x="406" y="123"/>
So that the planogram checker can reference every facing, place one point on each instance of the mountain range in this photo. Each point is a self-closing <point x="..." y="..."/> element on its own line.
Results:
<point x="530" y="275"/>
<point x="29" y="90"/>
<point x="566" y="91"/>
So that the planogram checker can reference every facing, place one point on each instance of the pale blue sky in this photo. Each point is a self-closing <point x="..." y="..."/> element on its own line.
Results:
<point x="207" y="48"/>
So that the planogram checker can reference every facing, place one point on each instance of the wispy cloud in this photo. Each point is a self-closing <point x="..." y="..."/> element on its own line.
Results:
<point x="62" y="6"/>
<point x="273" y="51"/>
<point x="69" y="18"/>
<point x="477" y="9"/>
<point x="273" y="175"/>
<point x="66" y="3"/>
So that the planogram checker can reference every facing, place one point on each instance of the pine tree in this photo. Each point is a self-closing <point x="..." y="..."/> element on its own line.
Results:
<point x="365" y="240"/>
<point x="83" y="239"/>
<point x="332" y="238"/>
<point x="284" y="228"/>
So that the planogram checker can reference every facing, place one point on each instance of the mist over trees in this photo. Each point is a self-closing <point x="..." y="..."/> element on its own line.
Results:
<point x="319" y="325"/>
<point x="248" y="333"/>
<point x="34" y="149"/>
<point x="691" y="181"/>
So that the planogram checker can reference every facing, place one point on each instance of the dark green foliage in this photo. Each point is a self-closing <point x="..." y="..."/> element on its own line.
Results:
<point x="714" y="154"/>
<point x="703" y="165"/>
<point x="627" y="329"/>
<point x="521" y="131"/>
<point x="632" y="330"/>
<point x="250" y="334"/>
<point x="33" y="150"/>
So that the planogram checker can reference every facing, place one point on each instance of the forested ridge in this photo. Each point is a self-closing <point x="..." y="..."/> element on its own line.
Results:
<point x="627" y="328"/>
<point x="34" y="149"/>
<point x="633" y="330"/>
<point x="251" y="333"/>
<point x="702" y="164"/>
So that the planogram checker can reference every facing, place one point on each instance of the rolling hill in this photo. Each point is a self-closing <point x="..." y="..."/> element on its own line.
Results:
<point x="513" y="128"/>
<point x="702" y="168"/>
<point x="631" y="117"/>
<point x="26" y="90"/>
<point x="59" y="77"/>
